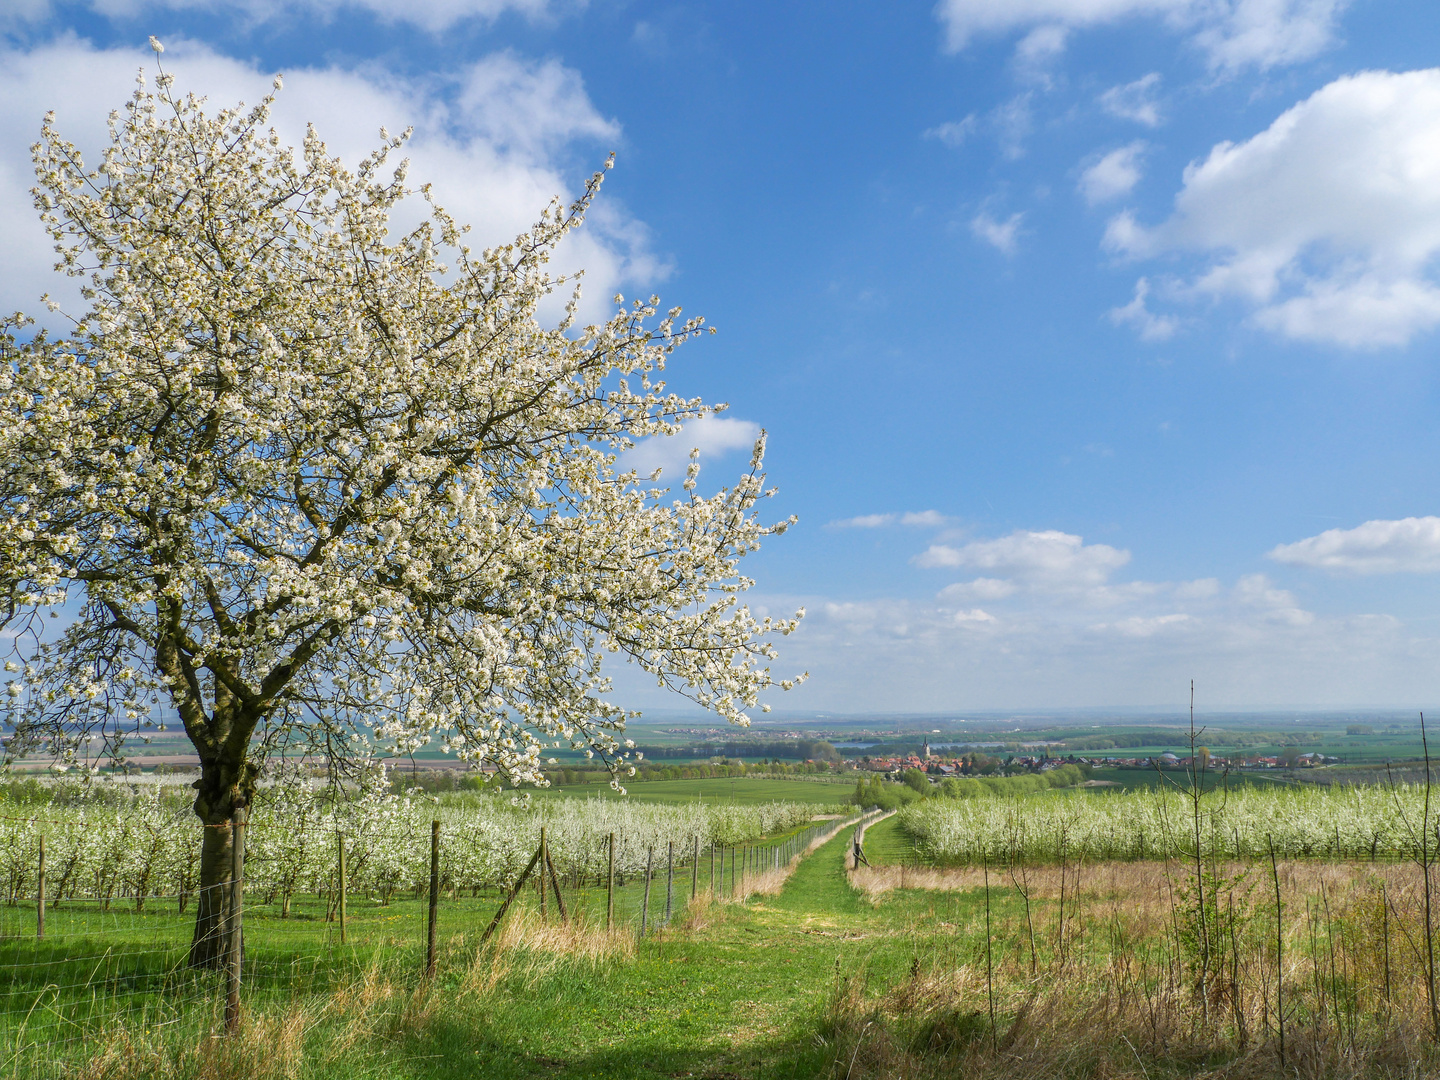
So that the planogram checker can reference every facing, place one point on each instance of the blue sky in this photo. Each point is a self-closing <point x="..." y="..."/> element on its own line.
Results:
<point x="1095" y="338"/>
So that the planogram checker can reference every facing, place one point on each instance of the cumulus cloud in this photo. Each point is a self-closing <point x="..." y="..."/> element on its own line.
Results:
<point x="981" y="588"/>
<point x="1001" y="235"/>
<point x="495" y="137"/>
<point x="1149" y="325"/>
<point x="713" y="436"/>
<point x="1113" y="175"/>
<point x="1052" y="557"/>
<point x="1245" y="644"/>
<point x="1135" y="100"/>
<point x="952" y="133"/>
<point x="1327" y="223"/>
<point x="1231" y="33"/>
<point x="920" y="519"/>
<point x="1410" y="545"/>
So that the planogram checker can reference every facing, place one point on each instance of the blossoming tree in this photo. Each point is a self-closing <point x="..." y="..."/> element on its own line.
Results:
<point x="294" y="479"/>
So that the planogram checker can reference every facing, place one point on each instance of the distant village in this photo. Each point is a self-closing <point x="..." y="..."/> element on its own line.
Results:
<point x="980" y="764"/>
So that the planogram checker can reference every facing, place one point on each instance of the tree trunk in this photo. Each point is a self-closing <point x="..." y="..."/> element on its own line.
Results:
<point x="224" y="786"/>
<point x="212" y="908"/>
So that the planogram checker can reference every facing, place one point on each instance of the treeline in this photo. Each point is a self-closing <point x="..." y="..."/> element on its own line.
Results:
<point x="784" y="749"/>
<point x="876" y="793"/>
<point x="705" y="770"/>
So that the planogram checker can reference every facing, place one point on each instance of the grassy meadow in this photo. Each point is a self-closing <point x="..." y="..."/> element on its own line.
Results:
<point x="1086" y="970"/>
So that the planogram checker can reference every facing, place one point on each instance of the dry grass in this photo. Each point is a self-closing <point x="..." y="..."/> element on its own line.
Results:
<point x="770" y="882"/>
<point x="1118" y="987"/>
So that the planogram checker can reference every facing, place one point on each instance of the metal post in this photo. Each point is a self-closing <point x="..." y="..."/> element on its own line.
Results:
<point x="610" y="887"/>
<point x="40" y="893"/>
<point x="434" y="899"/>
<point x="235" y="960"/>
<point x="340" y="843"/>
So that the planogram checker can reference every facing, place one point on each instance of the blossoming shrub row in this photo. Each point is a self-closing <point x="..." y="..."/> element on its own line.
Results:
<point x="145" y="844"/>
<point x="1351" y="822"/>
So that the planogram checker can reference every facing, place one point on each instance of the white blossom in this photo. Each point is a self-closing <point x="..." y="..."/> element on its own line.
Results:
<point x="305" y="481"/>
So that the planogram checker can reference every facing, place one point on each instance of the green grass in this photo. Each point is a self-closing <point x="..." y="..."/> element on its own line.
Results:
<point x="886" y="844"/>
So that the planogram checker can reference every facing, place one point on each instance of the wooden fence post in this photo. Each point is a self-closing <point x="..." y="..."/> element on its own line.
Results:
<point x="544" y="862"/>
<point x="554" y="884"/>
<point x="670" y="883"/>
<point x="645" y="904"/>
<point x="236" y="929"/>
<point x="340" y="843"/>
<point x="40" y="893"/>
<point x="610" y="887"/>
<point x="434" y="899"/>
<point x="514" y="891"/>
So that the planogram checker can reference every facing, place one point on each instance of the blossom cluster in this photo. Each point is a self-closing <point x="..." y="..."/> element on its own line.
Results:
<point x="294" y="477"/>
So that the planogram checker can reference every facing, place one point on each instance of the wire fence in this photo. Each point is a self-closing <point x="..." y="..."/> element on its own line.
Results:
<point x="75" y="966"/>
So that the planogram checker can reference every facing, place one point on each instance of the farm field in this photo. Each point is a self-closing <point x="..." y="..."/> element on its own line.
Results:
<point x="919" y="966"/>
<point x="718" y="789"/>
<point x="828" y="976"/>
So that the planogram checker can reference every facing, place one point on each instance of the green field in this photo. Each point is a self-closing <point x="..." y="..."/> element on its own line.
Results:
<point x="819" y="980"/>
<point x="739" y="789"/>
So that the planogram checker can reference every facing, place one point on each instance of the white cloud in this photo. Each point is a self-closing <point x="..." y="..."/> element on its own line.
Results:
<point x="982" y="588"/>
<point x="1244" y="645"/>
<point x="1256" y="591"/>
<point x="864" y="521"/>
<point x="1328" y="222"/>
<point x="1012" y="122"/>
<point x="920" y="519"/>
<point x="494" y="137"/>
<point x="1002" y="235"/>
<point x="924" y="519"/>
<point x="1135" y="101"/>
<point x="711" y="435"/>
<point x="1410" y="545"/>
<point x="1151" y="327"/>
<point x="1051" y="557"/>
<point x="1142" y="626"/>
<point x="1114" y="175"/>
<point x="952" y="133"/>
<point x="1231" y="33"/>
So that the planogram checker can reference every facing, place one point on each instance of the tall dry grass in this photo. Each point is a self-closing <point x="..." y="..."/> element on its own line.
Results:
<point x="1124" y="981"/>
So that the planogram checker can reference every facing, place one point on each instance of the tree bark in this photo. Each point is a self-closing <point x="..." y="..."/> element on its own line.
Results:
<point x="212" y="908"/>
<point x="227" y="782"/>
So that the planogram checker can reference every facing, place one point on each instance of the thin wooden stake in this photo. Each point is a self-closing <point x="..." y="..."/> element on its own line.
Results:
<point x="1279" y="951"/>
<point x="610" y="887"/>
<point x="695" y="871"/>
<point x="670" y="883"/>
<point x="645" y="904"/>
<point x="40" y="892"/>
<point x="340" y="843"/>
<point x="434" y="899"/>
<point x="544" y="862"/>
<point x="555" y="884"/>
<point x="514" y="892"/>
<point x="235" y="959"/>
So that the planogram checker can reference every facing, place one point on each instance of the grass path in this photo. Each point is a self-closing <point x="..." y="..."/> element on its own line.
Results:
<point x="740" y="997"/>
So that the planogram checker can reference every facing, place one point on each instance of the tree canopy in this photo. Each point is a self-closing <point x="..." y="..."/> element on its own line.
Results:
<point x="296" y="478"/>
